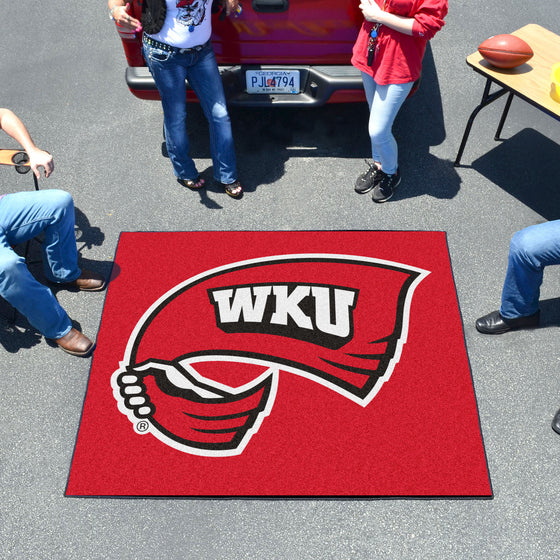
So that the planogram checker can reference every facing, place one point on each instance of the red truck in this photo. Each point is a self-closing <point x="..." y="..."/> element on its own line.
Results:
<point x="277" y="52"/>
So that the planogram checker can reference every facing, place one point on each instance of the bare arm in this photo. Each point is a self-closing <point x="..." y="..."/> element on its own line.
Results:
<point x="372" y="12"/>
<point x="13" y="127"/>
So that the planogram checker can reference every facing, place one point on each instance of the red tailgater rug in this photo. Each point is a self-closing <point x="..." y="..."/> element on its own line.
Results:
<point x="280" y="364"/>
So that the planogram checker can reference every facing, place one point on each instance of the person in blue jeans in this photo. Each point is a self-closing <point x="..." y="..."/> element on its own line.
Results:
<point x="23" y="216"/>
<point x="531" y="250"/>
<point x="388" y="52"/>
<point x="177" y="47"/>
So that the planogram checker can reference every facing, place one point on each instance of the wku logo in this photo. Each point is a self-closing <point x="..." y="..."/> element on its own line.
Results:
<point x="277" y="309"/>
<point x="201" y="368"/>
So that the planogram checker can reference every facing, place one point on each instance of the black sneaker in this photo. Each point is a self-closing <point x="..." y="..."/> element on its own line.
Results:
<point x="386" y="187"/>
<point x="366" y="181"/>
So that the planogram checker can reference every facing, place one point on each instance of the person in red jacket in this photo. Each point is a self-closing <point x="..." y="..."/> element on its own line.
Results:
<point x="389" y="51"/>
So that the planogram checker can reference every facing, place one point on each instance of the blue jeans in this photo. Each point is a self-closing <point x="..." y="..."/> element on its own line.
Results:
<point x="384" y="104"/>
<point x="23" y="216"/>
<point x="530" y="251"/>
<point x="170" y="70"/>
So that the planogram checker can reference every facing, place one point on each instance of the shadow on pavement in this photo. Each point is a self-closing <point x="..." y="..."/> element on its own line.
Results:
<point x="16" y="336"/>
<point x="527" y="166"/>
<point x="550" y="312"/>
<point x="268" y="137"/>
<point x="419" y="126"/>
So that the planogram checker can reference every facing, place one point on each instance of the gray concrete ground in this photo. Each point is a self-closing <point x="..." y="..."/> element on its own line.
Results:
<point x="63" y="73"/>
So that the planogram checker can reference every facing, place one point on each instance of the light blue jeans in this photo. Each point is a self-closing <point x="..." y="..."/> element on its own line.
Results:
<point x="384" y="104"/>
<point x="530" y="251"/>
<point x="170" y="70"/>
<point x="23" y="216"/>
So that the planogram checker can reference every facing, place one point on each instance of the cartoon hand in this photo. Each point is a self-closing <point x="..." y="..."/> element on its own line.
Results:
<point x="149" y="386"/>
<point x="134" y="394"/>
<point x="191" y="412"/>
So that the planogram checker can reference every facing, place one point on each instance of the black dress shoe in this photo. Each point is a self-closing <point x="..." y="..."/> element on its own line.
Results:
<point x="556" y="423"/>
<point x="494" y="323"/>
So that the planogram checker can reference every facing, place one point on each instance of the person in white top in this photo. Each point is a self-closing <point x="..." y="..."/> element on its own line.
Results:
<point x="177" y="47"/>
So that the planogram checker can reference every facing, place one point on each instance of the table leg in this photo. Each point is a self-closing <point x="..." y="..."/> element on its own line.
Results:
<point x="487" y="98"/>
<point x="504" y="116"/>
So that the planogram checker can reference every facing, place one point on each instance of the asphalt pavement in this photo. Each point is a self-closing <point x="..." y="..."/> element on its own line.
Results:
<point x="63" y="74"/>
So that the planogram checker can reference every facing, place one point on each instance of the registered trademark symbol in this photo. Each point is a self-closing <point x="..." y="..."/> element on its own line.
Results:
<point x="142" y="426"/>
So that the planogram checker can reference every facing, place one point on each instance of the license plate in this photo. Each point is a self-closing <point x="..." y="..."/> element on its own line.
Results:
<point x="272" y="81"/>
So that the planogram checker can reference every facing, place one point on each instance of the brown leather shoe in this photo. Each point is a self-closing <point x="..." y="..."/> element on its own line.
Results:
<point x="88" y="281"/>
<point x="75" y="343"/>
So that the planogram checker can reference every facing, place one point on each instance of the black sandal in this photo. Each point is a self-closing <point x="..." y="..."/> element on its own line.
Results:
<point x="235" y="190"/>
<point x="193" y="184"/>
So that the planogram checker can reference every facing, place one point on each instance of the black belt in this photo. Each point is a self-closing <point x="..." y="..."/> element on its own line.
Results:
<point x="169" y="48"/>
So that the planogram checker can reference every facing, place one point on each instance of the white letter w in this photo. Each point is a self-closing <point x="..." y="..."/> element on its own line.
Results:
<point x="247" y="301"/>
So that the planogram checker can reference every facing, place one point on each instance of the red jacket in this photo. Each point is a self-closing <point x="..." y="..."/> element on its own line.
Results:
<point x="398" y="57"/>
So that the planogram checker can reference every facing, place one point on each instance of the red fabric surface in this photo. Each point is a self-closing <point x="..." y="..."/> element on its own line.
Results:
<point x="391" y="411"/>
<point x="398" y="59"/>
